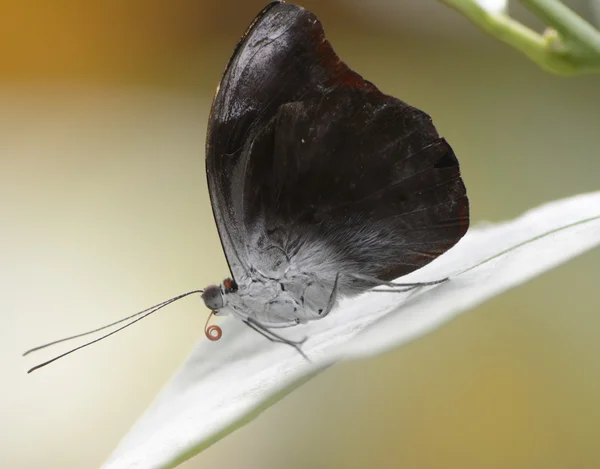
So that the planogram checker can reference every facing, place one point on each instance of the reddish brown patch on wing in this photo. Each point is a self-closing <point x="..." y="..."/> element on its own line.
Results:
<point x="338" y="72"/>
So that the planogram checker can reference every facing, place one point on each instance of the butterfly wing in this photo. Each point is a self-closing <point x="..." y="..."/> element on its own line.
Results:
<point x="311" y="167"/>
<point x="259" y="78"/>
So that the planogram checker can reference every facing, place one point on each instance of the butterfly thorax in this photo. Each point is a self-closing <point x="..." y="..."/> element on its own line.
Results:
<point x="273" y="302"/>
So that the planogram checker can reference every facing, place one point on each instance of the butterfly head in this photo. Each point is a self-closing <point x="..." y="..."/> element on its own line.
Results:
<point x="215" y="296"/>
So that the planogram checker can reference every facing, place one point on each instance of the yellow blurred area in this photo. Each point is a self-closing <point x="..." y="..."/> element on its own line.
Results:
<point x="105" y="211"/>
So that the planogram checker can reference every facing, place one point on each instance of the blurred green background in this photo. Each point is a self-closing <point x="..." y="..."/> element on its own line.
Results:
<point x="104" y="211"/>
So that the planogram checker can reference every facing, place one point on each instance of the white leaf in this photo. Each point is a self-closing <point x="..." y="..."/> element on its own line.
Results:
<point x="225" y="384"/>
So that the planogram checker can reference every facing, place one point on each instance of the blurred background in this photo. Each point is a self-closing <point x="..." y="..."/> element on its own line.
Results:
<point x="104" y="211"/>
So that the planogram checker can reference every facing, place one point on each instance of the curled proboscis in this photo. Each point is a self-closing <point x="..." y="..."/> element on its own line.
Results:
<point x="212" y="332"/>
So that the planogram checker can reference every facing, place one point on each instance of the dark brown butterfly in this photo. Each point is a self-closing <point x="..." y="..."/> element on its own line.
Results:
<point x="321" y="185"/>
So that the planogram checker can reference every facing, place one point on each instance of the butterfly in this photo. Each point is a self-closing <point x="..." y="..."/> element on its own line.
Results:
<point x="322" y="187"/>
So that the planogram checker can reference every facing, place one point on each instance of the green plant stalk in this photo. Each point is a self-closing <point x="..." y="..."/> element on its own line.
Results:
<point x="575" y="30"/>
<point x="565" y="21"/>
<point x="560" y="52"/>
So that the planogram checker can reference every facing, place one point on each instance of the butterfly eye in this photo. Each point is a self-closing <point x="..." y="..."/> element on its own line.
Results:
<point x="213" y="298"/>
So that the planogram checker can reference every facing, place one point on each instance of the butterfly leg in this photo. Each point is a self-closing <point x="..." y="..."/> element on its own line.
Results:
<point x="397" y="287"/>
<point x="276" y="338"/>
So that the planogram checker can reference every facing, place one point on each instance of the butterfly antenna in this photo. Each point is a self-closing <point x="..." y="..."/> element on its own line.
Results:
<point x="141" y="314"/>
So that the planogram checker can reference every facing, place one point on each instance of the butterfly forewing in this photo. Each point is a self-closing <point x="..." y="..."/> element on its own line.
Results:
<point x="311" y="167"/>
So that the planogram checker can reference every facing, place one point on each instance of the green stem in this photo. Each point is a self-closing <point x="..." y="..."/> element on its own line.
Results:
<point x="503" y="27"/>
<point x="573" y="47"/>
<point x="576" y="30"/>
